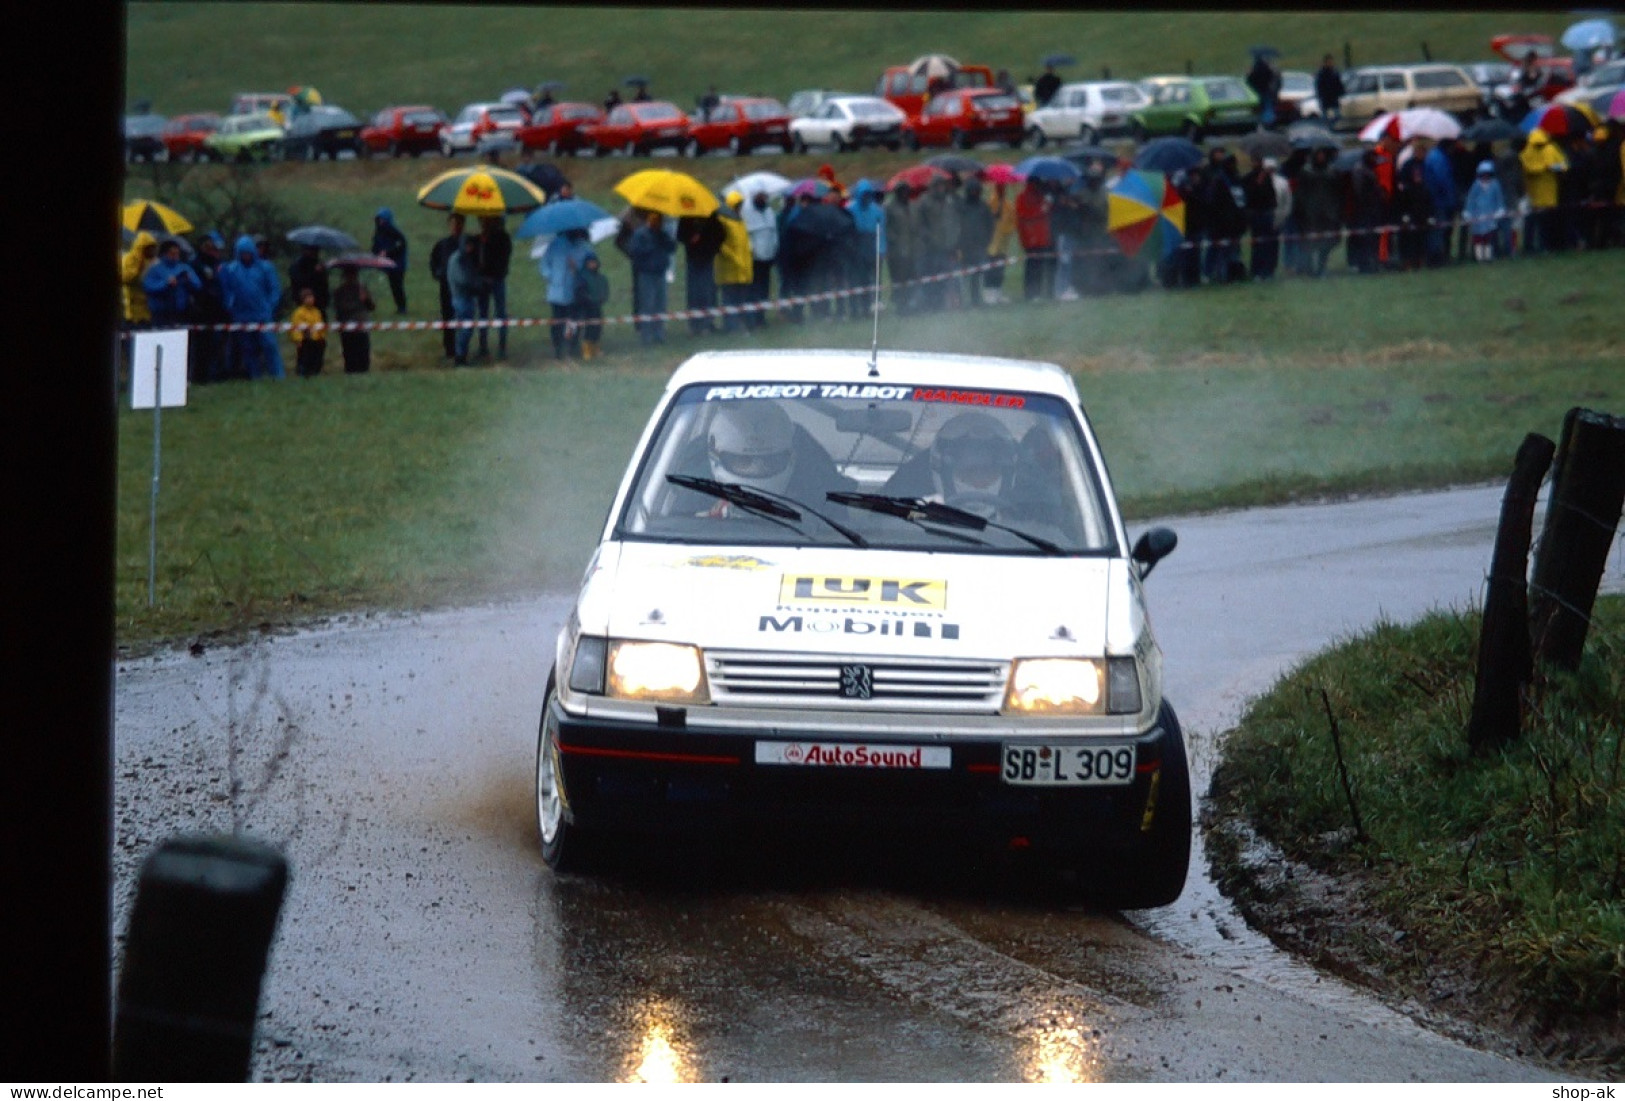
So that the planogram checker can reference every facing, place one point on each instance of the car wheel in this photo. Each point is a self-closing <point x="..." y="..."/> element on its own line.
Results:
<point x="1036" y="138"/>
<point x="1087" y="135"/>
<point x="243" y="156"/>
<point x="912" y="141"/>
<point x="691" y="148"/>
<point x="785" y="146"/>
<point x="1153" y="873"/>
<point x="958" y="140"/>
<point x="841" y="144"/>
<point x="736" y="147"/>
<point x="1137" y="132"/>
<point x="1192" y="132"/>
<point x="552" y="149"/>
<point x="630" y="149"/>
<point x="798" y="145"/>
<point x="565" y="847"/>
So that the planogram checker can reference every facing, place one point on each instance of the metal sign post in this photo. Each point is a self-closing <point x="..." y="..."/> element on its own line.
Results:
<point x="151" y="388"/>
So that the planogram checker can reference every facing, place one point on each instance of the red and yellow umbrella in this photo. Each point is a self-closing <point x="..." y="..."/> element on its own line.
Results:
<point x="481" y="192"/>
<point x="1143" y="209"/>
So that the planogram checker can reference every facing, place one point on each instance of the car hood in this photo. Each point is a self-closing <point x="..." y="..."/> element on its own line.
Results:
<point x="841" y="600"/>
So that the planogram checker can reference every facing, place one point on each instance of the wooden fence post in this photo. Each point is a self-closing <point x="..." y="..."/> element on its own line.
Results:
<point x="1504" y="660"/>
<point x="1582" y="515"/>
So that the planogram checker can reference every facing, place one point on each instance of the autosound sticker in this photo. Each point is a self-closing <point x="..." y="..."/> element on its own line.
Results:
<point x="906" y="594"/>
<point x="850" y="755"/>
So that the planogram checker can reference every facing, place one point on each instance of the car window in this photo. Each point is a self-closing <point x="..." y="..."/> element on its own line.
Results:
<point x="620" y="116"/>
<point x="418" y="118"/>
<point x="877" y="439"/>
<point x="1226" y="90"/>
<point x="1000" y="102"/>
<point x="655" y="112"/>
<point x="1114" y="96"/>
<point x="869" y="109"/>
<point x="1364" y="84"/>
<point x="1393" y="82"/>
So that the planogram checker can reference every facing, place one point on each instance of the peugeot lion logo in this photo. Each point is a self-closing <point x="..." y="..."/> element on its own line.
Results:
<point x="857" y="682"/>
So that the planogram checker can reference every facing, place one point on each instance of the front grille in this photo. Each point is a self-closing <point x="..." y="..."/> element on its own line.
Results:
<point x="750" y="679"/>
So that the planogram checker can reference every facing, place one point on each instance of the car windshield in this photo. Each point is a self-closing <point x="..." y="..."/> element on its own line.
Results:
<point x="654" y="112"/>
<point x="869" y="109"/>
<point x="420" y="118"/>
<point x="1017" y="460"/>
<point x="1224" y="90"/>
<point x="1004" y="102"/>
<point x="769" y="110"/>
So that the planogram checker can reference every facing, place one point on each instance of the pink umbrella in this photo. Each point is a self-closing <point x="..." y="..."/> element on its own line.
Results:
<point x="809" y="186"/>
<point x="1616" y="106"/>
<point x="1000" y="173"/>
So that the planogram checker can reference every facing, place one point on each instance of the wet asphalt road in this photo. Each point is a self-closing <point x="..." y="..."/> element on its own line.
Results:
<point x="423" y="939"/>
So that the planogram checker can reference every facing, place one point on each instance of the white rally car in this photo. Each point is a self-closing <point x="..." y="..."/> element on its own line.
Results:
<point x="888" y="591"/>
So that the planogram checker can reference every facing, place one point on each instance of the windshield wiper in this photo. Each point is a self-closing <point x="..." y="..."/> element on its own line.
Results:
<point x="918" y="510"/>
<point x="774" y="506"/>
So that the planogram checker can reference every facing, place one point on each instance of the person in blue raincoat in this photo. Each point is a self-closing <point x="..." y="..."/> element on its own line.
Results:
<point x="1483" y="210"/>
<point x="560" y="265"/>
<point x="1441" y="184"/>
<point x="650" y="250"/>
<point x="869" y="219"/>
<point x="249" y="289"/>
<point x="389" y="242"/>
<point x="170" y="284"/>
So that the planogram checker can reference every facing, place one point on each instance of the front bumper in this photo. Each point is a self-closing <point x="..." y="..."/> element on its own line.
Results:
<point x="631" y="777"/>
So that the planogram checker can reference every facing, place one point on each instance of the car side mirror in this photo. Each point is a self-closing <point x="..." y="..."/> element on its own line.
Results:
<point x="1153" y="547"/>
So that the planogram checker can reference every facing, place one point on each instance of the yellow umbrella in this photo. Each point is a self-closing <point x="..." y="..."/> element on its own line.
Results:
<point x="153" y="217"/>
<point x="675" y="194"/>
<point x="481" y="192"/>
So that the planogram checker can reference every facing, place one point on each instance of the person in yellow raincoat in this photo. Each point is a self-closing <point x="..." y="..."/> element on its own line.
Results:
<point x="132" y="266"/>
<point x="1542" y="160"/>
<point x="1003" y="206"/>
<point x="735" y="271"/>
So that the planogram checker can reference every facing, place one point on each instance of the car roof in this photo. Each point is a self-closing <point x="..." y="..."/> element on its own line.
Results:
<point x="852" y="366"/>
<point x="859" y="98"/>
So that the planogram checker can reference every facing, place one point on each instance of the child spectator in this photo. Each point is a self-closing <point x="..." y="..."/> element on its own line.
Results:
<point x="310" y="343"/>
<point x="592" y="291"/>
<point x="353" y="302"/>
<point x="1484" y="209"/>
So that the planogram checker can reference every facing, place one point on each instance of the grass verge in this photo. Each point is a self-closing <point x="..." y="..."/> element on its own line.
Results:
<point x="1491" y="885"/>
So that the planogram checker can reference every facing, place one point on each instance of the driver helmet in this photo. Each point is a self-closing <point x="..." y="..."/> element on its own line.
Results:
<point x="973" y="453"/>
<point x="749" y="445"/>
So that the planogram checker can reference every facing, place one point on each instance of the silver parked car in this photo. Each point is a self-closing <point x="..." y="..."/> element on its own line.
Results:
<point x="1087" y="111"/>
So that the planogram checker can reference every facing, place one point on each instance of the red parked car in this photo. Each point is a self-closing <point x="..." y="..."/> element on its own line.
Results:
<point x="963" y="117"/>
<point x="183" y="136"/>
<point x="413" y="129"/>
<point x="636" y="128"/>
<point x="740" y="124"/>
<point x="556" y="128"/>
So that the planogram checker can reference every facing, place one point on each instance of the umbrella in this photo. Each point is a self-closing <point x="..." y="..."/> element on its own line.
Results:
<point x="770" y="182"/>
<point x="1057" y="61"/>
<point x="1085" y="155"/>
<point x="1347" y="161"/>
<point x="481" y="191"/>
<point x="635" y="81"/>
<point x="917" y="178"/>
<point x="1413" y="122"/>
<point x="153" y="217"/>
<point x="1145" y="211"/>
<point x="362" y="260"/>
<point x="1000" y="173"/>
<point x="1309" y="136"/>
<point x="187" y="252"/>
<point x="1514" y="47"/>
<point x="600" y="230"/>
<point x="957" y="163"/>
<point x="810" y="186"/>
<point x="545" y="176"/>
<point x="305" y="95"/>
<point x="516" y="95"/>
<point x="676" y="194"/>
<point x="1589" y="34"/>
<point x="323" y="237"/>
<point x="1266" y="143"/>
<point x="1169" y="155"/>
<point x="1616" y="106"/>
<point x="1560" y="120"/>
<point x="561" y="216"/>
<point x="1489" y="130"/>
<point x="814" y="226"/>
<point x="932" y="66"/>
<point x="1049" y="168"/>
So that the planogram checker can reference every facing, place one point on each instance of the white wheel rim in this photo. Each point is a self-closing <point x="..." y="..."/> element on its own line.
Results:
<point x="549" y="800"/>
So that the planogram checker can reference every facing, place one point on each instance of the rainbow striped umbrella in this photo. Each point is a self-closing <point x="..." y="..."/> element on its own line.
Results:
<point x="1144" y="210"/>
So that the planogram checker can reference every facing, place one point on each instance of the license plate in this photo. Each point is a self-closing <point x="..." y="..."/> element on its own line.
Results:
<point x="853" y="755"/>
<point x="345" y="134"/>
<point x="1068" y="765"/>
<point x="667" y="131"/>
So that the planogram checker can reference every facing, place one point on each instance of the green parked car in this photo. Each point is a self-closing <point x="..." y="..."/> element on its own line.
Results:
<point x="1194" y="107"/>
<point x="254" y="137"/>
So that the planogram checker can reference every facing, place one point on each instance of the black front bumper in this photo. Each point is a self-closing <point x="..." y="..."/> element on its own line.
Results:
<point x="623" y="777"/>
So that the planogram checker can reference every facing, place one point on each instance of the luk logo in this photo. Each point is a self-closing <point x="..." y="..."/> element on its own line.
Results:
<point x="857" y="682"/>
<point x="890" y="592"/>
<point x="885" y="626"/>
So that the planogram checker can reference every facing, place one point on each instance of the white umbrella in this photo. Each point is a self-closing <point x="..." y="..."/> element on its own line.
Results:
<point x="1413" y="122"/>
<point x="933" y="66"/>
<point x="1589" y="34"/>
<point x="748" y="185"/>
<point x="516" y="96"/>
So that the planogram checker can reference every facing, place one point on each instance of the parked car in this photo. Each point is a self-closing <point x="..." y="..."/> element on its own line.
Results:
<point x="1494" y="80"/>
<point x="966" y="117"/>
<point x="144" y="137"/>
<point x="1556" y="73"/>
<point x="477" y="121"/>
<point x="893" y="601"/>
<point x="1599" y="83"/>
<point x="557" y="128"/>
<point x="1194" y="106"/>
<point x="322" y="131"/>
<point x="276" y="104"/>
<point x="1088" y="111"/>
<point x="413" y="129"/>
<point x="849" y="122"/>
<point x="805" y="102"/>
<point x="637" y="128"/>
<point x="1374" y="89"/>
<point x="739" y="124"/>
<point x="909" y="90"/>
<point x="1296" y="100"/>
<point x="183" y="135"/>
<point x="245" y="138"/>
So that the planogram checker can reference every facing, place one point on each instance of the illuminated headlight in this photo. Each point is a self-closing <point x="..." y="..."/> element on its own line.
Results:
<point x="656" y="671"/>
<point x="1073" y="686"/>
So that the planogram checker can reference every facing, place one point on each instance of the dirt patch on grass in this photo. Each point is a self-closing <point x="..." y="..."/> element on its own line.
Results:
<point x="1338" y="923"/>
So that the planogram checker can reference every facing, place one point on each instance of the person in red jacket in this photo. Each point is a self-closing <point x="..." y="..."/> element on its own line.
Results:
<point x="1032" y="230"/>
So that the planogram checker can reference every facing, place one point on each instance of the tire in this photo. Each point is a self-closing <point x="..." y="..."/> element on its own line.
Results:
<point x="798" y="145"/>
<point x="893" y="146"/>
<point x="1087" y="135"/>
<point x="786" y="146"/>
<point x="736" y="147"/>
<point x="1153" y="873"/>
<point x="911" y="142"/>
<point x="841" y="145"/>
<point x="1137" y="132"/>
<point x="565" y="847"/>
<point x="691" y="148"/>
<point x="958" y="140"/>
<point x="1192" y="132"/>
<point x="394" y="150"/>
<point x="630" y="149"/>
<point x="1036" y="138"/>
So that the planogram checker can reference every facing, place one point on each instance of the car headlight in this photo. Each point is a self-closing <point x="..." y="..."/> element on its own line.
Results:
<point x="629" y="670"/>
<point x="1073" y="686"/>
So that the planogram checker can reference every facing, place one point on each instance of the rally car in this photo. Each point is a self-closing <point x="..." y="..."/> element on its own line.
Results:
<point x="890" y="591"/>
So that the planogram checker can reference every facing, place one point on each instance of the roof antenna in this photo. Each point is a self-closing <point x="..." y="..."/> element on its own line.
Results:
<point x="874" y="346"/>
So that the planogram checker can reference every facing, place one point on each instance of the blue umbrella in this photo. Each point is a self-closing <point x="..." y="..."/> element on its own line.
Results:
<point x="1590" y="34"/>
<point x="1169" y="155"/>
<point x="561" y="216"/>
<point x="1048" y="168"/>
